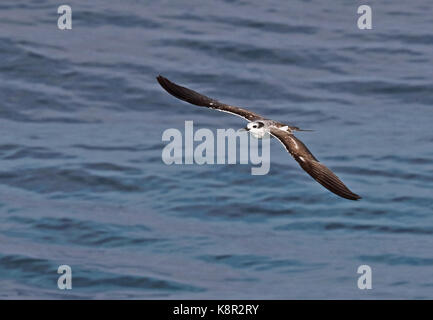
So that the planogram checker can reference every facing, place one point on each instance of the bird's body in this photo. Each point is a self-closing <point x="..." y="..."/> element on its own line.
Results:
<point x="260" y="127"/>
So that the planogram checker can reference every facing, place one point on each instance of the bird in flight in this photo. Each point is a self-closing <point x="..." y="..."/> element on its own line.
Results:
<point x="258" y="126"/>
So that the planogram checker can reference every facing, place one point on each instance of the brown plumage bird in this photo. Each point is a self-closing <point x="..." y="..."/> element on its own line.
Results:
<point x="258" y="126"/>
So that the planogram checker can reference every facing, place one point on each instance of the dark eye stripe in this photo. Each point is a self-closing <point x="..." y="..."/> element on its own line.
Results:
<point x="261" y="124"/>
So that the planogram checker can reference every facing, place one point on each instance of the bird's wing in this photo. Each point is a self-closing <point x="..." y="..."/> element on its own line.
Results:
<point x="312" y="166"/>
<point x="198" y="99"/>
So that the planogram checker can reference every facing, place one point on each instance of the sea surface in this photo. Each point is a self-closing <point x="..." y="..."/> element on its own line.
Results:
<point x="83" y="184"/>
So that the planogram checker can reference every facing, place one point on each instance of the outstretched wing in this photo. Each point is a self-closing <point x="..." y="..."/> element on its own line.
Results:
<point x="312" y="166"/>
<point x="198" y="99"/>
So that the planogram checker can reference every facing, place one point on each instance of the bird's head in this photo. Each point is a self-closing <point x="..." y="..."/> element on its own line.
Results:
<point x="256" y="128"/>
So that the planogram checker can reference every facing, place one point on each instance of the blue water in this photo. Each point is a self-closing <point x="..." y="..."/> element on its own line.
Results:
<point x="82" y="182"/>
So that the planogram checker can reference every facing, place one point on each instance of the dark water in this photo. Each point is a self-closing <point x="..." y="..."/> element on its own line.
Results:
<point x="82" y="182"/>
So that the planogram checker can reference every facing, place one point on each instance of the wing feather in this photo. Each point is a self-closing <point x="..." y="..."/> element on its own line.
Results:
<point x="198" y="99"/>
<point x="312" y="166"/>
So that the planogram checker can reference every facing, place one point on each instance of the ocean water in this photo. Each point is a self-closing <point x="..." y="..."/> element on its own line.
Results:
<point x="82" y="182"/>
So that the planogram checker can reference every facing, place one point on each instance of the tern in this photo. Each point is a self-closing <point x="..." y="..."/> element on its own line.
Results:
<point x="259" y="126"/>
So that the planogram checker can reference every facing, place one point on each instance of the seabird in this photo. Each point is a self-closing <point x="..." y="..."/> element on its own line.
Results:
<point x="258" y="126"/>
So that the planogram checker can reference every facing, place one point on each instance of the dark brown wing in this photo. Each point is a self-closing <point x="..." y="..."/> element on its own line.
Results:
<point x="198" y="99"/>
<point x="312" y="166"/>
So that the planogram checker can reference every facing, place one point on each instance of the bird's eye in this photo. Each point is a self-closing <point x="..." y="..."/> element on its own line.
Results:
<point x="254" y="126"/>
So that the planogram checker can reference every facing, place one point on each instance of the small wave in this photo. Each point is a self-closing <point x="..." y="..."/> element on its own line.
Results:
<point x="333" y="226"/>
<point x="388" y="174"/>
<point x="135" y="148"/>
<point x="53" y="179"/>
<point x="14" y="152"/>
<point x="404" y="92"/>
<point x="393" y="259"/>
<point x="256" y="54"/>
<point x="83" y="233"/>
<point x="259" y="263"/>
<point x="105" y="166"/>
<point x="99" y="18"/>
<point x="238" y="22"/>
<point x="36" y="272"/>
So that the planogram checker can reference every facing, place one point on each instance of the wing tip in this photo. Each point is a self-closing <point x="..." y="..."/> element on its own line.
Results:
<point x="344" y="192"/>
<point x="161" y="80"/>
<point x="172" y="88"/>
<point x="354" y="197"/>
